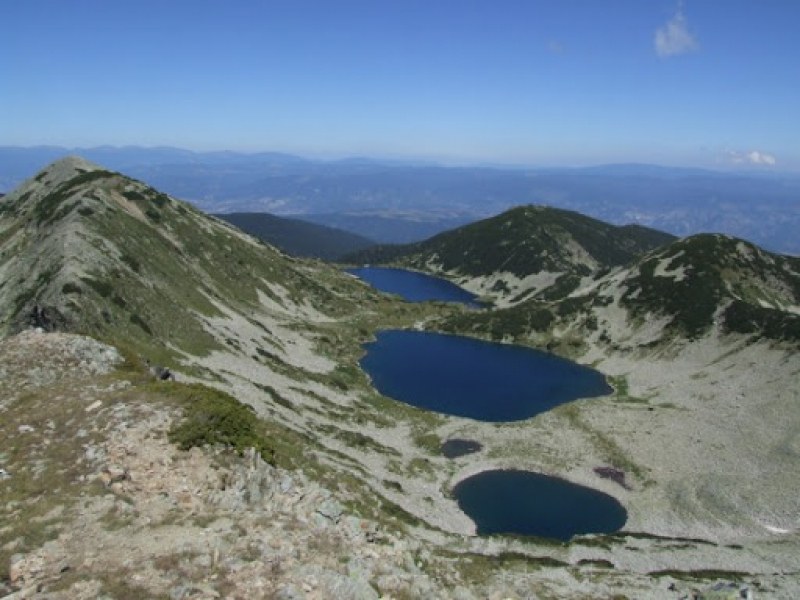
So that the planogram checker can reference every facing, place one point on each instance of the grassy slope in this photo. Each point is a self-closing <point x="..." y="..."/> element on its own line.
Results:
<point x="523" y="241"/>
<point x="694" y="285"/>
<point x="144" y="267"/>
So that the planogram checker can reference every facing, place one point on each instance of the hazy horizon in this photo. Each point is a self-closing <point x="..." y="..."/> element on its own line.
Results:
<point x="743" y="169"/>
<point x="522" y="83"/>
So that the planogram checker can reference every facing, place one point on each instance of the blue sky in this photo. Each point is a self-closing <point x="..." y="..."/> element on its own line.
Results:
<point x="711" y="83"/>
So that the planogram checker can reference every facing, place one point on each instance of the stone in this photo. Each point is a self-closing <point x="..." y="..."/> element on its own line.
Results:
<point x="179" y="592"/>
<point x="289" y="592"/>
<point x="286" y="484"/>
<point x="161" y="373"/>
<point x="330" y="509"/>
<point x="22" y="568"/>
<point x="113" y="474"/>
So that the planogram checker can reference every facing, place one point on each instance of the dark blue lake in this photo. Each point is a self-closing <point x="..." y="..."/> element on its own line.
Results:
<point x="466" y="377"/>
<point x="413" y="286"/>
<point x="525" y="503"/>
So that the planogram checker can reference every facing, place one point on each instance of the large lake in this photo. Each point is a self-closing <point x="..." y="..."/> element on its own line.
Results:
<point x="525" y="503"/>
<point x="466" y="377"/>
<point x="413" y="286"/>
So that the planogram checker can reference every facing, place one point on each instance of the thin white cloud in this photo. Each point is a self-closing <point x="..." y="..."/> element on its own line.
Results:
<point x="754" y="157"/>
<point x="674" y="37"/>
<point x="760" y="158"/>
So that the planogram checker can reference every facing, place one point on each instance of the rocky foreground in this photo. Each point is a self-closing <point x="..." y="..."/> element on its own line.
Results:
<point x="96" y="502"/>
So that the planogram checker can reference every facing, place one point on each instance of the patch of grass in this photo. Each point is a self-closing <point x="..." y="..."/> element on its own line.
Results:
<point x="478" y="568"/>
<point x="71" y="288"/>
<point x="394" y="511"/>
<point x="422" y="466"/>
<point x="596" y="562"/>
<point x="103" y="288"/>
<point x="121" y="587"/>
<point x="430" y="442"/>
<point x="345" y="377"/>
<point x="50" y="207"/>
<point x="705" y="574"/>
<point x="642" y="535"/>
<point x="614" y="455"/>
<point x="116" y="519"/>
<point x="393" y="485"/>
<point x="276" y="397"/>
<point x="358" y="440"/>
<point x="141" y="323"/>
<point x="214" y="417"/>
<point x="621" y="393"/>
<point x="22" y="300"/>
<point x="132" y="262"/>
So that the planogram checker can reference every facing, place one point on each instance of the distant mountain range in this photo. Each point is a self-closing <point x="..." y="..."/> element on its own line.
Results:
<point x="420" y="200"/>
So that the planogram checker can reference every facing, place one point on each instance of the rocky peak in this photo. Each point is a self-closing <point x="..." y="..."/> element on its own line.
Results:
<point x="53" y="176"/>
<point x="65" y="169"/>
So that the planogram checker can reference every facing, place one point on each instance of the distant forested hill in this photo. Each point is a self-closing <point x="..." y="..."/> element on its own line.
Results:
<point x="523" y="241"/>
<point x="298" y="238"/>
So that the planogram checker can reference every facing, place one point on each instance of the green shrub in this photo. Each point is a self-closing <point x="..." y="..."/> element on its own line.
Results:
<point x="103" y="288"/>
<point x="131" y="262"/>
<point x="45" y="210"/>
<point x="214" y="417"/>
<point x="137" y="320"/>
<point x="71" y="288"/>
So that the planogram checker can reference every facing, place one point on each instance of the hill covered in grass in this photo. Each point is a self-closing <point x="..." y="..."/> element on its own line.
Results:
<point x="522" y="252"/>
<point x="700" y="285"/>
<point x="89" y="250"/>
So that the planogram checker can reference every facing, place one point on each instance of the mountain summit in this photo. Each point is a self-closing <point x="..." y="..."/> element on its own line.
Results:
<point x="90" y="250"/>
<point x="523" y="252"/>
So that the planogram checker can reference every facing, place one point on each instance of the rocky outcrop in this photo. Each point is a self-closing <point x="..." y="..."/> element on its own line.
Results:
<point x="143" y="516"/>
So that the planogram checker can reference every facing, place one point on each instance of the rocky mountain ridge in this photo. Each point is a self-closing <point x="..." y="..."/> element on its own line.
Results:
<point x="133" y="516"/>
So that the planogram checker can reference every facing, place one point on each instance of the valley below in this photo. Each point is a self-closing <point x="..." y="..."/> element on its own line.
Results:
<point x="348" y="491"/>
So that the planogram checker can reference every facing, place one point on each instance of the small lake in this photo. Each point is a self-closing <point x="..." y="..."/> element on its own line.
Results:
<point x="525" y="503"/>
<point x="413" y="286"/>
<point x="457" y="448"/>
<point x="486" y="381"/>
